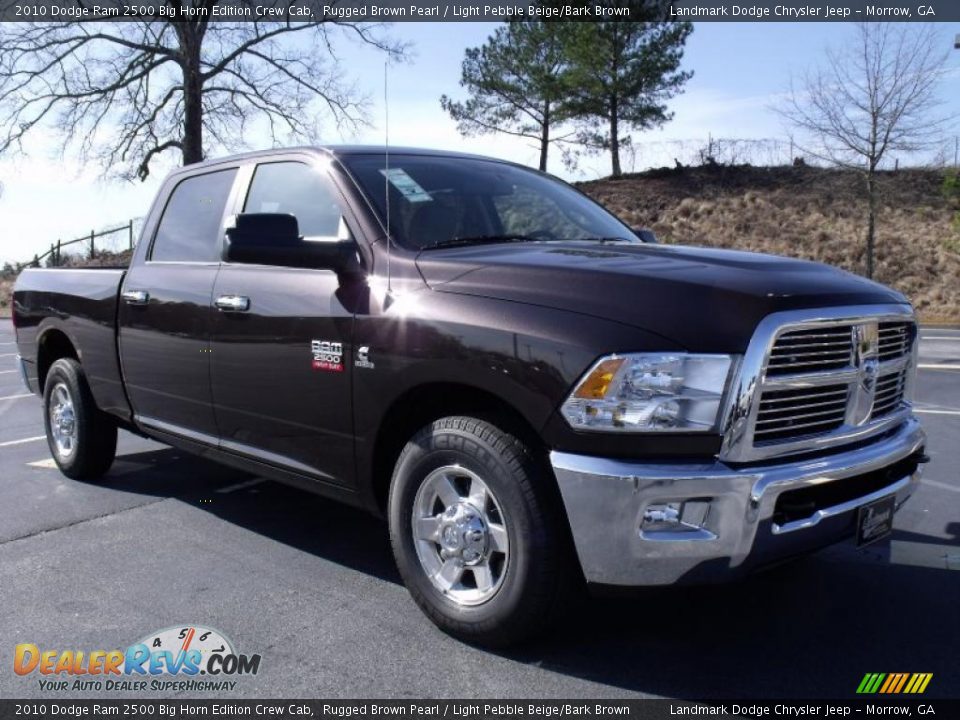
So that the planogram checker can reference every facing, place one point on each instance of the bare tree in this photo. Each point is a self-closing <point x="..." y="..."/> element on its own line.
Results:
<point x="123" y="93"/>
<point x="874" y="97"/>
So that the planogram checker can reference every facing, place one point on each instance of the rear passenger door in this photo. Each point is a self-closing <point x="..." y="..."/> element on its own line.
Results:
<point x="165" y="315"/>
<point x="281" y="359"/>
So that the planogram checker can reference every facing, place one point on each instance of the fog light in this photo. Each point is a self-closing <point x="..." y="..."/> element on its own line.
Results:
<point x="667" y="515"/>
<point x="680" y="520"/>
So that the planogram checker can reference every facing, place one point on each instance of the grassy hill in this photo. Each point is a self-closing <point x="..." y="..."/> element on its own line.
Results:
<point x="804" y="212"/>
<point x="810" y="213"/>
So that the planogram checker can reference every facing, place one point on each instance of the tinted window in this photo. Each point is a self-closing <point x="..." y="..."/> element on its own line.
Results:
<point x="190" y="229"/>
<point x="300" y="190"/>
<point x="435" y="200"/>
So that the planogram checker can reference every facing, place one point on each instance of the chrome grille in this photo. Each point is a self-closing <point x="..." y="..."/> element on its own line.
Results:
<point x="811" y="350"/>
<point x="896" y="340"/>
<point x="819" y="378"/>
<point x="787" y="414"/>
<point x="890" y="389"/>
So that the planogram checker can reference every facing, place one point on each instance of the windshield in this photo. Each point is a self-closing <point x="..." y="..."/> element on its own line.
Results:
<point x="438" y="201"/>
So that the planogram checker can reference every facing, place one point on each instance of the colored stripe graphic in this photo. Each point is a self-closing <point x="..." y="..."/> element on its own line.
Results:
<point x="894" y="683"/>
<point x="898" y="680"/>
<point x="903" y="680"/>
<point x="870" y="683"/>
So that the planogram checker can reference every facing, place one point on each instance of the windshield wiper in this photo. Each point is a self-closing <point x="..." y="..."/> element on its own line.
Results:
<point x="480" y="240"/>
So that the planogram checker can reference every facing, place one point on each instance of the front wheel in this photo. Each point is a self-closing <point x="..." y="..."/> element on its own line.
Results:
<point x="476" y="533"/>
<point x="82" y="439"/>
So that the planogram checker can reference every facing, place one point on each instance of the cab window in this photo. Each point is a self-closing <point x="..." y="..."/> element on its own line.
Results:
<point x="191" y="227"/>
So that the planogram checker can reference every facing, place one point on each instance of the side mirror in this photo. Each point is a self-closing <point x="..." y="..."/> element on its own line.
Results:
<point x="646" y="235"/>
<point x="274" y="239"/>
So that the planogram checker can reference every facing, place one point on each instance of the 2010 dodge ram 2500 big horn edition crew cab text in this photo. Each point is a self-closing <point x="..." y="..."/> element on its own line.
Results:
<point x="531" y="395"/>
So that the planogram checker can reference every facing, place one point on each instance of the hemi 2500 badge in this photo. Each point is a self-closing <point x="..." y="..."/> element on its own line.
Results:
<point x="327" y="355"/>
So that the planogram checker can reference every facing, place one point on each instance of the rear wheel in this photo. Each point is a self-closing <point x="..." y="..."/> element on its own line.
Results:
<point x="476" y="534"/>
<point x="82" y="439"/>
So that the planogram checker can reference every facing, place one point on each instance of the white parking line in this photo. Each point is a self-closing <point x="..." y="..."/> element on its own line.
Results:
<point x="937" y="412"/>
<point x="48" y="464"/>
<point x="922" y="338"/>
<point x="23" y="441"/>
<point x="17" y="397"/>
<point x="942" y="486"/>
<point x="930" y="555"/>
<point x="935" y="366"/>
<point x="7" y="372"/>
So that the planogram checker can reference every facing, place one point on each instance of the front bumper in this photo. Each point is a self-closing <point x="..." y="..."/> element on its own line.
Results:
<point x="745" y="520"/>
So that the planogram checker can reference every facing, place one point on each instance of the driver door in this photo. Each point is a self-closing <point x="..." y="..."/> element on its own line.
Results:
<point x="281" y="365"/>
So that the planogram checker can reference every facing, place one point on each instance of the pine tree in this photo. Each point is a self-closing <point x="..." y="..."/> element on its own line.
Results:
<point x="623" y="74"/>
<point x="518" y="84"/>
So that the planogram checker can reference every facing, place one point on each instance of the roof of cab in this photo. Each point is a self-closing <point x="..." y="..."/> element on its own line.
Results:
<point x="336" y="151"/>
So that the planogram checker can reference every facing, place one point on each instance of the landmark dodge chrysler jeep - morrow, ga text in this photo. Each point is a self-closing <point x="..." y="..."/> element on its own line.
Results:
<point x="531" y="394"/>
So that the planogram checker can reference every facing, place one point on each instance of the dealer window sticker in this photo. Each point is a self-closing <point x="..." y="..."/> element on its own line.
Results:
<point x="407" y="186"/>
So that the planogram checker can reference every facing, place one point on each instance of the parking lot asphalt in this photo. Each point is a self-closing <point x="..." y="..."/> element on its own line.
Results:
<point x="168" y="539"/>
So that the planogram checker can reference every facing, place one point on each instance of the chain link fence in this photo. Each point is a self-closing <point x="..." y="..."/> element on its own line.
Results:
<point x="695" y="152"/>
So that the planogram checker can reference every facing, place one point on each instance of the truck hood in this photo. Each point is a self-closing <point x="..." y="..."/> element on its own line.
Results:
<point x="702" y="299"/>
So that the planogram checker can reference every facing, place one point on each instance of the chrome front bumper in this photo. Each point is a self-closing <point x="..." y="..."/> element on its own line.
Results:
<point x="607" y="500"/>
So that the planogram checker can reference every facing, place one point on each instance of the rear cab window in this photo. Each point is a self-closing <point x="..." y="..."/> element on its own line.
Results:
<point x="191" y="227"/>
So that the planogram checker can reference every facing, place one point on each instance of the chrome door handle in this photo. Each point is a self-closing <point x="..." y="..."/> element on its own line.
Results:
<point x="232" y="303"/>
<point x="136" y="297"/>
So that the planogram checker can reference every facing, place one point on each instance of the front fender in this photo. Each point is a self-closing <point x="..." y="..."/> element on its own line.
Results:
<point x="527" y="356"/>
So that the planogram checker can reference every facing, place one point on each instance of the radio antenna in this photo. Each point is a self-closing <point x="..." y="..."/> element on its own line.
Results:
<point x="386" y="164"/>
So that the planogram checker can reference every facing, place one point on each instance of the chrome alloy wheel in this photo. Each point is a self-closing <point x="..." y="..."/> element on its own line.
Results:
<point x="63" y="421"/>
<point x="460" y="535"/>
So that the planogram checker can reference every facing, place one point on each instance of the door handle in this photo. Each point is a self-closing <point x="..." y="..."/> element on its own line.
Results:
<point x="136" y="297"/>
<point x="232" y="303"/>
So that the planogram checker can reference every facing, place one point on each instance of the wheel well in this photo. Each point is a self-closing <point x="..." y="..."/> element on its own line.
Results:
<point x="422" y="405"/>
<point x="53" y="345"/>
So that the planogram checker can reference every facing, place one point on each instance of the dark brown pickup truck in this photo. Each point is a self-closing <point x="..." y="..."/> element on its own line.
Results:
<point x="530" y="394"/>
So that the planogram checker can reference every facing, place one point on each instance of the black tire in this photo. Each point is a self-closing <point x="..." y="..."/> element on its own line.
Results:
<point x="536" y="578"/>
<point x="94" y="439"/>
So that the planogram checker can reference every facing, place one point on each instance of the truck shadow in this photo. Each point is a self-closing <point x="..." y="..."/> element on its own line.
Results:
<point x="809" y="629"/>
<point x="336" y="532"/>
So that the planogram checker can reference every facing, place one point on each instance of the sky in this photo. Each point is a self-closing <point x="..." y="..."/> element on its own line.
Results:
<point x="740" y="70"/>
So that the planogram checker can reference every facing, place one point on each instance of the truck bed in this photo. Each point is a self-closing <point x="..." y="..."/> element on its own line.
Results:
<point x="81" y="304"/>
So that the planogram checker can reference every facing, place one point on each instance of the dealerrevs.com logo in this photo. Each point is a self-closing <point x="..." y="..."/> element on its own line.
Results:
<point x="179" y="658"/>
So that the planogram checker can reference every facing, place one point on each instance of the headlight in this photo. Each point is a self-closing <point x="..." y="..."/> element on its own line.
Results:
<point x="650" y="392"/>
